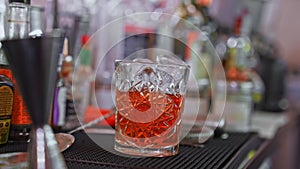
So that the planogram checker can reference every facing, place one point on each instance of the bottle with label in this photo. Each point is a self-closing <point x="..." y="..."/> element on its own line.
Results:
<point x="18" y="27"/>
<point x="239" y="102"/>
<point x="6" y="103"/>
<point x="82" y="78"/>
<point x="58" y="117"/>
<point x="239" y="53"/>
<point x="71" y="120"/>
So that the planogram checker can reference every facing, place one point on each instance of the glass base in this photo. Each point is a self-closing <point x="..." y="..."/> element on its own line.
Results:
<point x="147" y="152"/>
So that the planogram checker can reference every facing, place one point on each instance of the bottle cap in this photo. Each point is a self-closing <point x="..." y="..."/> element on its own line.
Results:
<point x="84" y="39"/>
<point x="20" y="1"/>
<point x="66" y="47"/>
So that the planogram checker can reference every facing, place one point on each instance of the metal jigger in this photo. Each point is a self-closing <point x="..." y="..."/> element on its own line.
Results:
<point x="34" y="64"/>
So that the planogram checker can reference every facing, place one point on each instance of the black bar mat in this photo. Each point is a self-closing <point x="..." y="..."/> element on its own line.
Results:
<point x="86" y="154"/>
<point x="215" y="153"/>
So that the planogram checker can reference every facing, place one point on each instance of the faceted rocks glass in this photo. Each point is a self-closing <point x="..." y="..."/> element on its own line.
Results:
<point x="149" y="97"/>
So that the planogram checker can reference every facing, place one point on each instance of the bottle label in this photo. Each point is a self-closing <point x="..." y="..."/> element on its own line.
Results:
<point x="20" y="114"/>
<point x="4" y="129"/>
<point x="59" y="111"/>
<point x="71" y="116"/>
<point x="6" y="100"/>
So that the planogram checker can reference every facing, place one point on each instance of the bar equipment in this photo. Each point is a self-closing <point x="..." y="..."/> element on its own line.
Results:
<point x="34" y="65"/>
<point x="17" y="26"/>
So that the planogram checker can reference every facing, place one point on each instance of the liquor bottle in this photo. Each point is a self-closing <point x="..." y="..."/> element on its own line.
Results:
<point x="239" y="52"/>
<point x="82" y="78"/>
<point x="239" y="101"/>
<point x="18" y="27"/>
<point x="71" y="120"/>
<point x="58" y="118"/>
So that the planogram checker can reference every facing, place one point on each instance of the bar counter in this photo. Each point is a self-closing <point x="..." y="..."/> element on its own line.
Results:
<point x="224" y="150"/>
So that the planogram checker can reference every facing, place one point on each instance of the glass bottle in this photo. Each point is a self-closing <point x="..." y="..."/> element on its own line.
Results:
<point x="82" y="79"/>
<point x="239" y="53"/>
<point x="58" y="118"/>
<point x="18" y="19"/>
<point x="18" y="27"/>
<point x="37" y="24"/>
<point x="71" y="120"/>
<point x="239" y="102"/>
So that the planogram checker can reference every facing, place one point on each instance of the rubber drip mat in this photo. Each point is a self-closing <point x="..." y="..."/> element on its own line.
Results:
<point x="86" y="154"/>
<point x="213" y="154"/>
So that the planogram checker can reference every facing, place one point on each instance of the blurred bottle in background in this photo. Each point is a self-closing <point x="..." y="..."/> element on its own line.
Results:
<point x="244" y="87"/>
<point x="107" y="25"/>
<point x="71" y="120"/>
<point x="58" y="118"/>
<point x="194" y="37"/>
<point x="83" y="78"/>
<point x="37" y="21"/>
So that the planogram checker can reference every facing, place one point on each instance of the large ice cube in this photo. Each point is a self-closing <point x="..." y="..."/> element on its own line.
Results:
<point x="166" y="82"/>
<point x="146" y="77"/>
<point x="142" y="60"/>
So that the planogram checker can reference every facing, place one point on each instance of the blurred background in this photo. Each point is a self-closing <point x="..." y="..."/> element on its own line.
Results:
<point x="267" y="30"/>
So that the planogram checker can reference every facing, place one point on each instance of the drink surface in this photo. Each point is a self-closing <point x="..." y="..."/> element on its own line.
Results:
<point x="148" y="119"/>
